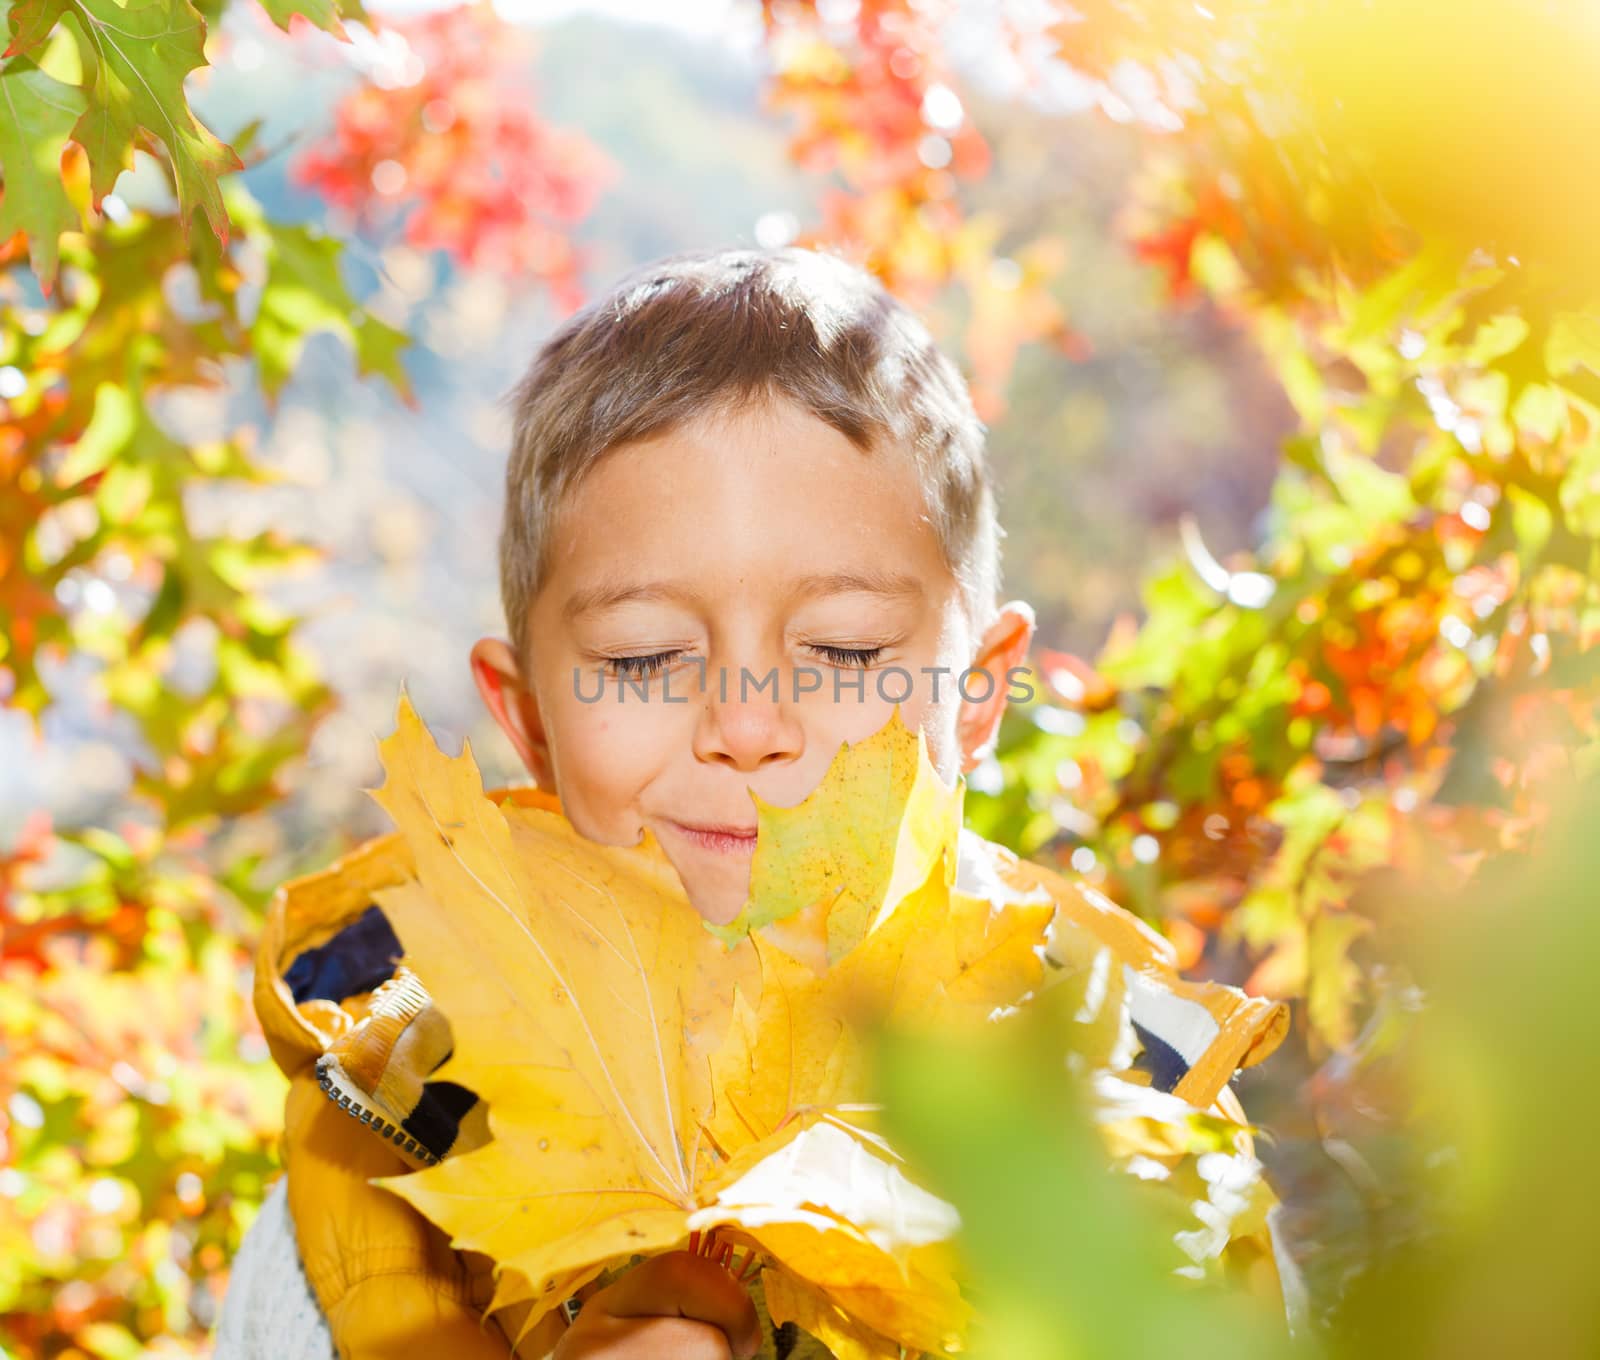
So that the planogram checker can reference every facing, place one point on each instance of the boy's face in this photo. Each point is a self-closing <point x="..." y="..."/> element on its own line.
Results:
<point x="711" y="548"/>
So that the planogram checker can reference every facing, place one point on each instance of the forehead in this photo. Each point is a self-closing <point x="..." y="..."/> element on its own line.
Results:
<point x="761" y="499"/>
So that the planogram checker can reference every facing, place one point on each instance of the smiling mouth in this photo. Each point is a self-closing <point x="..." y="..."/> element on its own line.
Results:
<point x="723" y="840"/>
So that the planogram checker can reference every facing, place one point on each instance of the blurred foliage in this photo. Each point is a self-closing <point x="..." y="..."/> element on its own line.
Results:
<point x="871" y="97"/>
<point x="1070" y="1262"/>
<point x="138" y="1108"/>
<point x="461" y="155"/>
<point x="1275" y="729"/>
<point x="1066" y="1261"/>
<point x="1254" y="763"/>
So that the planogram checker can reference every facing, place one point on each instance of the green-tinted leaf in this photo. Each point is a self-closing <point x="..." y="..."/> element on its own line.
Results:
<point x="325" y="14"/>
<point x="1574" y="340"/>
<point x="1531" y="522"/>
<point x="1409" y="293"/>
<point x="1541" y="410"/>
<point x="109" y="431"/>
<point x="304" y="293"/>
<point x="1377" y="495"/>
<point x="863" y="867"/>
<point x="1580" y="489"/>
<point x="36" y="118"/>
<point x="1334" y="984"/>
<point x="1497" y="336"/>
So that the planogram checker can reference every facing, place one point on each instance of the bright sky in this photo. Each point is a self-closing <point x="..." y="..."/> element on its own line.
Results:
<point x="691" y="16"/>
<point x="735" y="23"/>
<point x="694" y="16"/>
<point x="972" y="40"/>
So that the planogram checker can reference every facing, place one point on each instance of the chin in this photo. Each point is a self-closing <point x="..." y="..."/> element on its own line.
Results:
<point x="718" y="905"/>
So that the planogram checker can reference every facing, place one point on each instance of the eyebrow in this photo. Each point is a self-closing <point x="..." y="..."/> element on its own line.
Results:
<point x="607" y="595"/>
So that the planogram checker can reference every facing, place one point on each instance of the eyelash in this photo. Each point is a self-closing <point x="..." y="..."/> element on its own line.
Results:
<point x="644" y="666"/>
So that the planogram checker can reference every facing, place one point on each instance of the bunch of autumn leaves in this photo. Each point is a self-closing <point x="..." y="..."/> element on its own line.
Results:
<point x="649" y="1077"/>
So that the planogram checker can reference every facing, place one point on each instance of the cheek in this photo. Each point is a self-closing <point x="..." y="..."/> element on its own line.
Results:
<point x="936" y="705"/>
<point x="606" y="754"/>
<point x="936" y="717"/>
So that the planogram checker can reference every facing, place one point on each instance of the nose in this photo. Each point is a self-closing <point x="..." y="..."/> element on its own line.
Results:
<point x="748" y="725"/>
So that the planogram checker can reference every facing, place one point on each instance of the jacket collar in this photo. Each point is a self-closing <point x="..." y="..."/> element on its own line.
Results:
<point x="322" y="948"/>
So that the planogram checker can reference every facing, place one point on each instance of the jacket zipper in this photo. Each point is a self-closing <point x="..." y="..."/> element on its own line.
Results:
<point x="372" y="1119"/>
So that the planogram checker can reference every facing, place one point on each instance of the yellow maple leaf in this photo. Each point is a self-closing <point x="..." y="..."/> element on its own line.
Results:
<point x="940" y="958"/>
<point x="595" y="1013"/>
<point x="863" y="1256"/>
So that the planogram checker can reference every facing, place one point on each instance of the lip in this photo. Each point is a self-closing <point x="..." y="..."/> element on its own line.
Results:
<point x="726" y="840"/>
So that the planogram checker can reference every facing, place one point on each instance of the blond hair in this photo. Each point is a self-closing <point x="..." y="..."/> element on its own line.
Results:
<point x="707" y="331"/>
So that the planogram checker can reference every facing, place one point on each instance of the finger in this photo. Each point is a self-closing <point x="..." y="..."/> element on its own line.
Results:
<point x="682" y="1283"/>
<point x="672" y="1338"/>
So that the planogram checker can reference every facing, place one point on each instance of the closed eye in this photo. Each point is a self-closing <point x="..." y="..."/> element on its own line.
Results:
<point x="654" y="662"/>
<point x="639" y="665"/>
<point x="848" y="656"/>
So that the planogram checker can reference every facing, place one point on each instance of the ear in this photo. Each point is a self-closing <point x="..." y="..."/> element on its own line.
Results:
<point x="1003" y="648"/>
<point x="512" y="705"/>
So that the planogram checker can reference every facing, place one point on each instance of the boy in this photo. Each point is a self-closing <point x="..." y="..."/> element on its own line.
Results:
<point x="748" y="482"/>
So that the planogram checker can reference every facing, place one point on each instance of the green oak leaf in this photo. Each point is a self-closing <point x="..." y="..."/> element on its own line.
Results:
<point x="325" y="14"/>
<point x="36" y="118"/>
<point x="134" y="63"/>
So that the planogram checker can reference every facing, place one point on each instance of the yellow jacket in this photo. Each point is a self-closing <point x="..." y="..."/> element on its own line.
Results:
<point x="387" y="1279"/>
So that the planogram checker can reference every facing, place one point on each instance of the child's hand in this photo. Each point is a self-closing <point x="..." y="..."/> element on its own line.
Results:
<point x="679" y="1306"/>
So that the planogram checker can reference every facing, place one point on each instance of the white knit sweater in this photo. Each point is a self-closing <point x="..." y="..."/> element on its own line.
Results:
<point x="269" y="1311"/>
